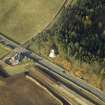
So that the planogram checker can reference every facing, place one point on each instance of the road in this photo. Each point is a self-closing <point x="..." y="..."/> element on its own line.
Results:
<point x="71" y="86"/>
<point x="7" y="42"/>
<point x="81" y="91"/>
<point x="91" y="93"/>
<point x="59" y="89"/>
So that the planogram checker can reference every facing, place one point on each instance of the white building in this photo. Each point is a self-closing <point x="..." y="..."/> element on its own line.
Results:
<point x="52" y="53"/>
<point x="14" y="60"/>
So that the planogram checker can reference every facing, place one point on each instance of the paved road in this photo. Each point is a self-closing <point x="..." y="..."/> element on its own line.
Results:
<point x="91" y="92"/>
<point x="57" y="87"/>
<point x="7" y="42"/>
<point x="78" y="89"/>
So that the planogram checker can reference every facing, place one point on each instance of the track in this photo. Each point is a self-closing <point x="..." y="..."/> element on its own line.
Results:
<point x="52" y="21"/>
<point x="90" y="94"/>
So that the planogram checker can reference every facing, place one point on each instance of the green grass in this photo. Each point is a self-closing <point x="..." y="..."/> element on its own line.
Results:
<point x="12" y="70"/>
<point x="3" y="51"/>
<point x="21" y="19"/>
<point x="2" y="82"/>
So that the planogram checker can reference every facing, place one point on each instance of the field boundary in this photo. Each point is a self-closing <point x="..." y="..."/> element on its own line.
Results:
<point x="52" y="21"/>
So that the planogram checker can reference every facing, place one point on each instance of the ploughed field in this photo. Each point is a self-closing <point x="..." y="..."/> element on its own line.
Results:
<point x="19" y="90"/>
<point x="22" y="19"/>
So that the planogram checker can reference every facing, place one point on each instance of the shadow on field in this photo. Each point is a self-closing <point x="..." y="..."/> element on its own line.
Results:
<point x="2" y="72"/>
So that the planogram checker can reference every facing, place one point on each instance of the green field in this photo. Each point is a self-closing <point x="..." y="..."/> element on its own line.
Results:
<point x="3" y="51"/>
<point x="12" y="70"/>
<point x="22" y="19"/>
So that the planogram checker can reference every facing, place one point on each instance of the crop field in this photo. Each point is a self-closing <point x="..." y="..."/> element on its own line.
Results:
<point x="19" y="90"/>
<point x="22" y="19"/>
<point x="3" y="51"/>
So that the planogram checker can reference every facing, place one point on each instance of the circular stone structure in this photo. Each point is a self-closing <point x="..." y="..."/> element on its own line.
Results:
<point x="20" y="20"/>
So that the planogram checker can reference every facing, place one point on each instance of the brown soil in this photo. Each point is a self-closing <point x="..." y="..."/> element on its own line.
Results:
<point x="21" y="91"/>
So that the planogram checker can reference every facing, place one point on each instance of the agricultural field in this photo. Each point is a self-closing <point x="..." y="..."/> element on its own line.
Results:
<point x="22" y="19"/>
<point x="3" y="51"/>
<point x="19" y="90"/>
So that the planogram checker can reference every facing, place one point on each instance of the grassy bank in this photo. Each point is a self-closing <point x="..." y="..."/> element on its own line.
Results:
<point x="23" y="67"/>
<point x="3" y="51"/>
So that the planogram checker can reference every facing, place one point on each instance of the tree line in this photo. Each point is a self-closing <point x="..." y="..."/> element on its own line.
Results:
<point x="81" y="30"/>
